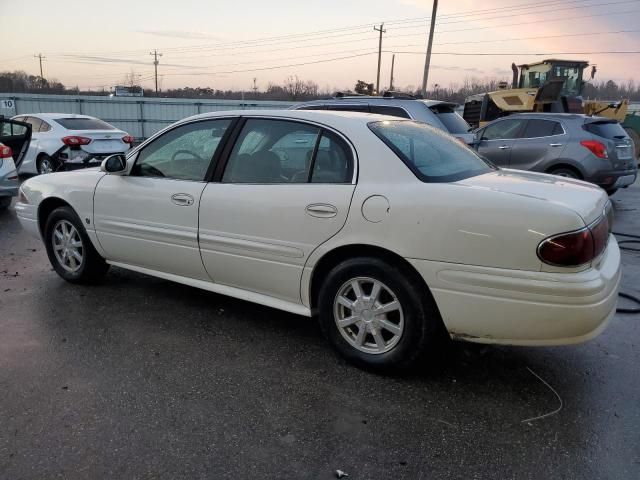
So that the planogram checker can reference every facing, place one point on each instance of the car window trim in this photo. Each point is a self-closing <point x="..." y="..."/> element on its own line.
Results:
<point x="313" y="155"/>
<point x="165" y="131"/>
<point x="222" y="164"/>
<point x="564" y="131"/>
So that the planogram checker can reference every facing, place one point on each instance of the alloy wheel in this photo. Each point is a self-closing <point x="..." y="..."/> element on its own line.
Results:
<point x="368" y="315"/>
<point x="67" y="246"/>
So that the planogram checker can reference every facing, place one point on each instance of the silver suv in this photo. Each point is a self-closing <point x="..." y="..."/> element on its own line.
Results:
<point x="595" y="149"/>
<point x="441" y="115"/>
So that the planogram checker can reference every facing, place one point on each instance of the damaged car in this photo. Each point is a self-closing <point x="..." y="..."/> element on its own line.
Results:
<point x="62" y="141"/>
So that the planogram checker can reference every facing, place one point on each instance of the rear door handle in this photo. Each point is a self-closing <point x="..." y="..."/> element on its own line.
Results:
<point x="504" y="147"/>
<point x="555" y="144"/>
<point x="182" y="199"/>
<point x="321" y="210"/>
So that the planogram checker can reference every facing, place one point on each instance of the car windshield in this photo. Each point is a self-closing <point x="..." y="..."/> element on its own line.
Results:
<point x="606" y="129"/>
<point x="452" y="121"/>
<point x="432" y="155"/>
<point x="84" y="124"/>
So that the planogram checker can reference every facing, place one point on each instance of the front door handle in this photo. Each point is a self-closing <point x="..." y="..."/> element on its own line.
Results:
<point x="555" y="144"/>
<point x="504" y="147"/>
<point x="321" y="210"/>
<point x="182" y="199"/>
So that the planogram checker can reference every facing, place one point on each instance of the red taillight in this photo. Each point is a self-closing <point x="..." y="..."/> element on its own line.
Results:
<point x="128" y="139"/>
<point x="74" y="140"/>
<point x="597" y="148"/>
<point x="5" y="152"/>
<point x="575" y="248"/>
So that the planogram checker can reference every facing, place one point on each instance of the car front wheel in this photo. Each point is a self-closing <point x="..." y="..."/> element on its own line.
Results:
<point x="70" y="250"/>
<point x="377" y="315"/>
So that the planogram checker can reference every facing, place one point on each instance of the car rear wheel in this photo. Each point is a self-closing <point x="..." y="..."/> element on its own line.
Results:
<point x="377" y="315"/>
<point x="70" y="250"/>
<point x="565" y="172"/>
<point x="46" y="164"/>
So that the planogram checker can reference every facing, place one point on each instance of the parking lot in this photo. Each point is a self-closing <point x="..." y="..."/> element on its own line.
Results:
<point x="144" y="378"/>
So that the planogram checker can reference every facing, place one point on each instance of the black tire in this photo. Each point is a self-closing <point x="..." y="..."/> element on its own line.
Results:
<point x="46" y="164"/>
<point x="5" y="202"/>
<point x="423" y="329"/>
<point x="92" y="267"/>
<point x="566" y="172"/>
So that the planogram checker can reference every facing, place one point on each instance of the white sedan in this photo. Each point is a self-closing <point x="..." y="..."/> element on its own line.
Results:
<point x="63" y="141"/>
<point x="391" y="231"/>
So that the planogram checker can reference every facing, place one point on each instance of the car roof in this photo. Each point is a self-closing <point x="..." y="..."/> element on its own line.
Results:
<point x="53" y="116"/>
<point x="551" y="116"/>
<point x="340" y="120"/>
<point x="377" y="100"/>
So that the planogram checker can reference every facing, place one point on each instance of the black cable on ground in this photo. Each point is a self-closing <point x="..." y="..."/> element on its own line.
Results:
<point x="628" y="296"/>
<point x="633" y="299"/>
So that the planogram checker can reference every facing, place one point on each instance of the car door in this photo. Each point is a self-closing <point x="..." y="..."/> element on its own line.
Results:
<point x="17" y="136"/>
<point x="496" y="140"/>
<point x="540" y="142"/>
<point x="260" y="220"/>
<point x="34" y="145"/>
<point x="149" y="218"/>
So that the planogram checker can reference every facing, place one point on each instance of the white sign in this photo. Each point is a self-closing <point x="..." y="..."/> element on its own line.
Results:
<point x="7" y="104"/>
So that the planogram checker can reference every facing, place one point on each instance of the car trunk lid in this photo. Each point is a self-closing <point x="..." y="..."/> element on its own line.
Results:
<point x="586" y="200"/>
<point x="102" y="141"/>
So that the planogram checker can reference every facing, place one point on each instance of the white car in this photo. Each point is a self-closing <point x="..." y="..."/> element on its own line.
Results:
<point x="63" y="141"/>
<point x="392" y="231"/>
<point x="14" y="137"/>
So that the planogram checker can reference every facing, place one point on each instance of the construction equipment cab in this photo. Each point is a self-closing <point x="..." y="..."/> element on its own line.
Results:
<point x="552" y="86"/>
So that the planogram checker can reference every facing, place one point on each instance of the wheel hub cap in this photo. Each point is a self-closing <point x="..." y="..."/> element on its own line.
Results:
<point x="368" y="315"/>
<point x="67" y="246"/>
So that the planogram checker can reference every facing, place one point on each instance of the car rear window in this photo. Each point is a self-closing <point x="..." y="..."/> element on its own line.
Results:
<point x="606" y="129"/>
<point x="432" y="155"/>
<point x="452" y="121"/>
<point x="84" y="124"/>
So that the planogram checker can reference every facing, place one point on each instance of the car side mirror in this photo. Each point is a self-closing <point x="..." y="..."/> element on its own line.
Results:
<point x="114" y="164"/>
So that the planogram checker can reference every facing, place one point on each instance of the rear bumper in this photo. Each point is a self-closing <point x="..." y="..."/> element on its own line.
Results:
<point x="615" y="178"/>
<point x="8" y="189"/>
<point x="489" y="305"/>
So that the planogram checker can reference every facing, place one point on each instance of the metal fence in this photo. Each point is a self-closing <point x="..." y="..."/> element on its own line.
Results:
<point x="138" y="116"/>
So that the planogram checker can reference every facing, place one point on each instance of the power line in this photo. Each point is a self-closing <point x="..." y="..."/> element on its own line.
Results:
<point x="261" y="41"/>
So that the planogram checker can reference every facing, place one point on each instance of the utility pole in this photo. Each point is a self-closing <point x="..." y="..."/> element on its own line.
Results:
<point x="155" y="64"/>
<point x="393" y="61"/>
<point x="40" y="57"/>
<point x="379" y="29"/>
<point x="255" y="88"/>
<point x="427" y="60"/>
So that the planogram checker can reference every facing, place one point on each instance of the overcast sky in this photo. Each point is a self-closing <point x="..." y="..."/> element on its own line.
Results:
<point x="225" y="44"/>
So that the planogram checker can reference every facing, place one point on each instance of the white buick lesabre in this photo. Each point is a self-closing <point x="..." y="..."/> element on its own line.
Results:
<point x="392" y="231"/>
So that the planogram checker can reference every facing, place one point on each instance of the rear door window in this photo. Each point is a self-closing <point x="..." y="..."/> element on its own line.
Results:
<point x="432" y="155"/>
<point x="542" y="128"/>
<point x="35" y="123"/>
<point x="332" y="162"/>
<point x="609" y="130"/>
<point x="387" y="110"/>
<point x="84" y="124"/>
<point x="503" y="130"/>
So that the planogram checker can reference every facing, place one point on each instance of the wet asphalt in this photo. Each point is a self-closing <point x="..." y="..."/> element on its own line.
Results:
<point x="141" y="378"/>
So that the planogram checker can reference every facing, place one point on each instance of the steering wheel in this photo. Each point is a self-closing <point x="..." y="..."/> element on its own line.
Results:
<point x="173" y="157"/>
